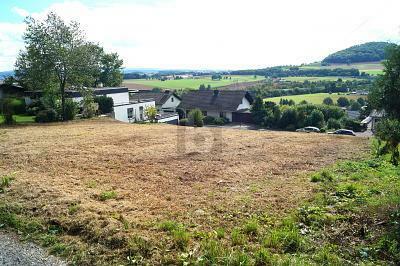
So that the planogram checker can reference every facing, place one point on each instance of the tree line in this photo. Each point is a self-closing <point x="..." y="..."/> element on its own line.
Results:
<point x="282" y="71"/>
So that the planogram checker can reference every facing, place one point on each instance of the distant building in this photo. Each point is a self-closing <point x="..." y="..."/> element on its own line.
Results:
<point x="166" y="101"/>
<point x="373" y="119"/>
<point x="232" y="105"/>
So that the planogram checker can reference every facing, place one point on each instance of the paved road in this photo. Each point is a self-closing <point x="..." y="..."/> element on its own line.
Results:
<point x="16" y="253"/>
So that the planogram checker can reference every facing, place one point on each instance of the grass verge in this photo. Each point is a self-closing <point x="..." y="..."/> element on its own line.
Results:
<point x="353" y="218"/>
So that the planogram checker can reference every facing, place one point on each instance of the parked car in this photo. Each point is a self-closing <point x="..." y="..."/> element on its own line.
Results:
<point x="308" y="129"/>
<point x="343" y="132"/>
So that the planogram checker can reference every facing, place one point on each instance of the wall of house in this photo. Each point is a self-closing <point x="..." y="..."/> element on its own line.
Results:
<point x="169" y="119"/>
<point x="118" y="98"/>
<point x="121" y="111"/>
<point x="244" y="105"/>
<point x="215" y="114"/>
<point x="171" y="104"/>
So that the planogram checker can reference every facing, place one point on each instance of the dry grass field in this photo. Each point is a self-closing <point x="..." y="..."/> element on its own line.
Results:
<point x="113" y="189"/>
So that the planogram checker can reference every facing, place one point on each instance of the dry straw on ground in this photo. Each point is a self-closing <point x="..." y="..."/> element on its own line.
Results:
<point x="202" y="177"/>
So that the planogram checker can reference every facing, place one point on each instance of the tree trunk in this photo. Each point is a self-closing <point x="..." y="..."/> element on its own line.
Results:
<point x="63" y="100"/>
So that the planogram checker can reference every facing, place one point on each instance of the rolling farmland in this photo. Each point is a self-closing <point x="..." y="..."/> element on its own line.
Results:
<point x="316" y="98"/>
<point x="192" y="83"/>
<point x="369" y="68"/>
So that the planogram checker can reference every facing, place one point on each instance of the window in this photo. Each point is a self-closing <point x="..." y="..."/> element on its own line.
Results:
<point x="130" y="113"/>
<point x="172" y="99"/>
<point x="222" y="114"/>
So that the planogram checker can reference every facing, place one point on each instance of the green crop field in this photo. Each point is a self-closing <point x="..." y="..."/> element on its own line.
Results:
<point x="193" y="83"/>
<point x="316" y="98"/>
<point x="373" y="68"/>
<point x="314" y="79"/>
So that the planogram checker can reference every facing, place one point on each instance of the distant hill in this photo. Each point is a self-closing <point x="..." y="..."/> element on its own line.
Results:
<point x="367" y="52"/>
<point x="5" y="74"/>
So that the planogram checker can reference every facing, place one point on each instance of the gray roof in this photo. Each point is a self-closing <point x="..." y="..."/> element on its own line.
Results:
<point x="214" y="100"/>
<point x="159" y="97"/>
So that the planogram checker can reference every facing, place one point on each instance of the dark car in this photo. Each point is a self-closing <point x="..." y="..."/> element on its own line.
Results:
<point x="343" y="132"/>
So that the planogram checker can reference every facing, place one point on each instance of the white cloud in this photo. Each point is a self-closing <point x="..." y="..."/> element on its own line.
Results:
<point x="230" y="34"/>
<point x="21" y="12"/>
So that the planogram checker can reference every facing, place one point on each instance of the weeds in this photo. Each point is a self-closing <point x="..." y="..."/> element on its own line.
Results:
<point x="251" y="227"/>
<point x="237" y="237"/>
<point x="107" y="195"/>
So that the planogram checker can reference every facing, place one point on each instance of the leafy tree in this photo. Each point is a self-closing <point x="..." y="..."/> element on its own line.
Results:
<point x="89" y="106"/>
<point x="151" y="113"/>
<point x="110" y="70"/>
<point x="289" y="119"/>
<point x="355" y="106"/>
<point x="385" y="96"/>
<point x="196" y="118"/>
<point x="258" y="111"/>
<point x="388" y="130"/>
<point x="57" y="56"/>
<point x="386" y="93"/>
<point x="316" y="119"/>
<point x="105" y="104"/>
<point x="7" y="110"/>
<point x="343" y="102"/>
<point x="328" y="101"/>
<point x="334" y="124"/>
<point x="361" y="101"/>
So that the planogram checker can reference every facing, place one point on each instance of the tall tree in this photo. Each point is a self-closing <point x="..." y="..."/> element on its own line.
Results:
<point x="58" y="56"/>
<point x="386" y="96"/>
<point x="110" y="70"/>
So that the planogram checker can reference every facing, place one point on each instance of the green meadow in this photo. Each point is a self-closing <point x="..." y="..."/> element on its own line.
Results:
<point x="316" y="98"/>
<point x="193" y="83"/>
<point x="315" y="79"/>
<point x="20" y="119"/>
<point x="373" y="68"/>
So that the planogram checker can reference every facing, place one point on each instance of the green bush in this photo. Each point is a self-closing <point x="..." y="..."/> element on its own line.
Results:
<point x="196" y="118"/>
<point x="334" y="124"/>
<point x="106" y="104"/>
<point x="18" y="106"/>
<point x="220" y="121"/>
<point x="209" y="120"/>
<point x="71" y="109"/>
<point x="184" y="122"/>
<point x="46" y="116"/>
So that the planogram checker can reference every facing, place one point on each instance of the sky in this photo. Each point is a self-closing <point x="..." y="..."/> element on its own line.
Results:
<point x="211" y="34"/>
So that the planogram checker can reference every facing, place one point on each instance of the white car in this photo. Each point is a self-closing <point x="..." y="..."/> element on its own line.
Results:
<point x="309" y="129"/>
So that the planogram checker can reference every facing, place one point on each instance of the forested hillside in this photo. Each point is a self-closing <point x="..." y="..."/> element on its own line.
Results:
<point x="367" y="52"/>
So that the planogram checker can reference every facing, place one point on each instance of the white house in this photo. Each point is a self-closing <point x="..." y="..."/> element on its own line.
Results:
<point x="166" y="101"/>
<point x="232" y="105"/>
<point x="125" y="110"/>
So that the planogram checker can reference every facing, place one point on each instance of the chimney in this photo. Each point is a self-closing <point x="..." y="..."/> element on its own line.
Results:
<point x="216" y="92"/>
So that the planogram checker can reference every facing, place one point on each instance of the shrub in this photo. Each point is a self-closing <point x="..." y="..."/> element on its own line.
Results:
<point x="343" y="102"/>
<point x="316" y="119"/>
<point x="351" y="124"/>
<point x="184" y="122"/>
<point x="209" y="120"/>
<point x="220" y="121"/>
<point x="8" y="110"/>
<point x="18" y="106"/>
<point x="334" y="123"/>
<point x="71" y="109"/>
<point x="105" y="103"/>
<point x="196" y="117"/>
<point x="46" y="116"/>
<point x="328" y="101"/>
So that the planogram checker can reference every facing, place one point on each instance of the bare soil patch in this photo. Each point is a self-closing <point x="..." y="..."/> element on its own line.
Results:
<point x="202" y="177"/>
